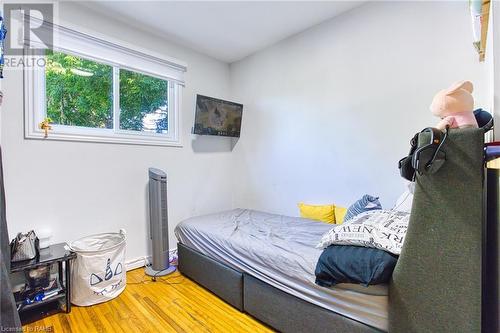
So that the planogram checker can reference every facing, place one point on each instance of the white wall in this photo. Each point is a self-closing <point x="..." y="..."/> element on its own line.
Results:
<point x="330" y="111"/>
<point x="77" y="189"/>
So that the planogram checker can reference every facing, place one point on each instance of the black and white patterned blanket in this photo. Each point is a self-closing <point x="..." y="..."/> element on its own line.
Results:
<point x="381" y="229"/>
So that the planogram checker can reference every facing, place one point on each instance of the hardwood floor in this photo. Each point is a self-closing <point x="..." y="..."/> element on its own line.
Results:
<point x="172" y="304"/>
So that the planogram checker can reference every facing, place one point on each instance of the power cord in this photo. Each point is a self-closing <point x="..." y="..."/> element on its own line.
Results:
<point x="395" y="208"/>
<point x="156" y="278"/>
<point x="157" y="273"/>
<point x="145" y="280"/>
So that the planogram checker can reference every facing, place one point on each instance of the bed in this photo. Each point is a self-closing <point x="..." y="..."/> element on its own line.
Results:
<point x="280" y="251"/>
<point x="263" y="263"/>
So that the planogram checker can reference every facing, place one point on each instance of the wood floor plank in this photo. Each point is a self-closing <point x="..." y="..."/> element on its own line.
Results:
<point x="65" y="325"/>
<point x="216" y="305"/>
<point x="172" y="304"/>
<point x="152" y="323"/>
<point x="164" y="315"/>
<point x="167" y="299"/>
<point x="196" y="307"/>
<point x="108" y="314"/>
<point x="199" y="307"/>
<point x="96" y="321"/>
<point x="79" y="324"/>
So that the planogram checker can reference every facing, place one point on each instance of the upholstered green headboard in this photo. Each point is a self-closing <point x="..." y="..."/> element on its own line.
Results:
<point x="436" y="285"/>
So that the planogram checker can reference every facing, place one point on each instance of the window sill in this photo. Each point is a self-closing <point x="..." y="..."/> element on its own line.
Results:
<point x="126" y="139"/>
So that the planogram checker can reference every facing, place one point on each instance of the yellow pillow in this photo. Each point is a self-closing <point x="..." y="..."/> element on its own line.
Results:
<point x="324" y="213"/>
<point x="339" y="214"/>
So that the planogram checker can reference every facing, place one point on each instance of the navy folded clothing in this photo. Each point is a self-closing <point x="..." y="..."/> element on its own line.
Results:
<point x="354" y="264"/>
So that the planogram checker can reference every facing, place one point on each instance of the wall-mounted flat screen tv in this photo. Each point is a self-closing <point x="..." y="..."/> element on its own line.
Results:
<point x="217" y="117"/>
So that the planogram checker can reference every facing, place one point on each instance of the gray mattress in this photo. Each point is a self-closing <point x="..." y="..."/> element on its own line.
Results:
<point x="280" y="251"/>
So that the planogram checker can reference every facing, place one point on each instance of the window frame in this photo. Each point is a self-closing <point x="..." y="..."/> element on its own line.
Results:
<point x="35" y="97"/>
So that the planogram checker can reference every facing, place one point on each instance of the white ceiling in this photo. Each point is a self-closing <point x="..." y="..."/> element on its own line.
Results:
<point x="228" y="31"/>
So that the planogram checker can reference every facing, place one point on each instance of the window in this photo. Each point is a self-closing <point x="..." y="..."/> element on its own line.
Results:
<point x="78" y="92"/>
<point x="90" y="92"/>
<point x="143" y="102"/>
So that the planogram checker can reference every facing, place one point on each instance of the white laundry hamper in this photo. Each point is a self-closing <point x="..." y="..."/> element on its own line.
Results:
<point x="98" y="273"/>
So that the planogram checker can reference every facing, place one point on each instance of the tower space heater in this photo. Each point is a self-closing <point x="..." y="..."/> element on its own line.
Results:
<point x="158" y="224"/>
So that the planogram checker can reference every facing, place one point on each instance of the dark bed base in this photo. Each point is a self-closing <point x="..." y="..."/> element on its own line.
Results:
<point x="220" y="279"/>
<point x="266" y="303"/>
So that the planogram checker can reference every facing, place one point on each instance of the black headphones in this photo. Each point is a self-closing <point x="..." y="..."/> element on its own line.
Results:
<point x="424" y="157"/>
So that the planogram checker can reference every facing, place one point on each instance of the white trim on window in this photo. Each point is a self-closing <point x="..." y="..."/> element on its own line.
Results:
<point x="87" y="46"/>
<point x="78" y="44"/>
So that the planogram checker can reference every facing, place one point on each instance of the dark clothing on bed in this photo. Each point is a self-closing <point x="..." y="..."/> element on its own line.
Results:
<point x="354" y="264"/>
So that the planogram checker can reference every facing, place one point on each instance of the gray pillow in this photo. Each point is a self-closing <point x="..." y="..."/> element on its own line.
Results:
<point x="365" y="204"/>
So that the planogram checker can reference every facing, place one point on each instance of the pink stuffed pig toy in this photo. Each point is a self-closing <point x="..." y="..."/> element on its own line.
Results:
<point x="455" y="106"/>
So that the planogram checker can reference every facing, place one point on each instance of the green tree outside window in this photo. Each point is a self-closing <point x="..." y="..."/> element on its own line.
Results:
<point x="79" y="92"/>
